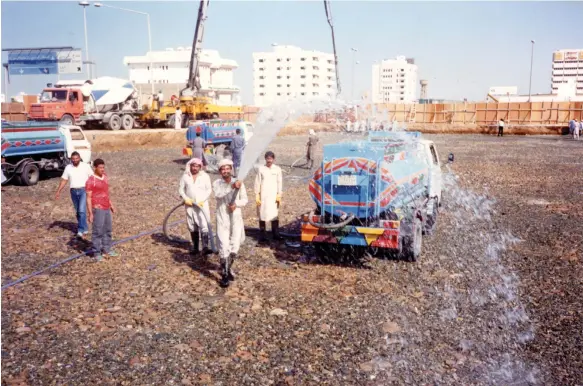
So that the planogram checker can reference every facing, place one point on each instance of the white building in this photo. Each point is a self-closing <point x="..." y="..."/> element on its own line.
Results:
<point x="290" y="72"/>
<point x="394" y="81"/>
<point x="567" y="65"/>
<point x="170" y="74"/>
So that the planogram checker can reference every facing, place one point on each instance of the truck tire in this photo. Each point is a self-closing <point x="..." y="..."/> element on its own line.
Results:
<point x="30" y="175"/>
<point x="411" y="244"/>
<point x="67" y="120"/>
<point x="215" y="116"/>
<point x="127" y="122"/>
<point x="114" y="122"/>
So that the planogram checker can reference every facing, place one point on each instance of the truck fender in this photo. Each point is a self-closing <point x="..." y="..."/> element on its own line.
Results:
<point x="107" y="116"/>
<point x="21" y="164"/>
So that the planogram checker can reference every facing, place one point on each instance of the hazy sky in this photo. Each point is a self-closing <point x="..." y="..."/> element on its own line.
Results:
<point x="462" y="48"/>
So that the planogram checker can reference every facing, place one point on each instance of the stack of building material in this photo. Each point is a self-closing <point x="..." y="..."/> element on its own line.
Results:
<point x="13" y="111"/>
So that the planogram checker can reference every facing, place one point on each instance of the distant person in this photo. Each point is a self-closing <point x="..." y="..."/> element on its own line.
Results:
<point x="100" y="210"/>
<point x="572" y="125"/>
<point x="195" y="188"/>
<point x="311" y="148"/>
<point x="268" y="191"/>
<point x="237" y="147"/>
<point x="178" y="119"/>
<point x="77" y="173"/>
<point x="577" y="130"/>
<point x="500" y="128"/>
<point x="198" y="147"/>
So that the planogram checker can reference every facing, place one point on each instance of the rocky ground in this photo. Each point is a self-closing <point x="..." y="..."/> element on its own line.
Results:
<point x="495" y="298"/>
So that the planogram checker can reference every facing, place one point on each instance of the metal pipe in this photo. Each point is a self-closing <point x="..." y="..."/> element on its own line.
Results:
<point x="531" y="60"/>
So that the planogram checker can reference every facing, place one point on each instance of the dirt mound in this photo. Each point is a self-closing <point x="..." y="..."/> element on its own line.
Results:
<point x="138" y="139"/>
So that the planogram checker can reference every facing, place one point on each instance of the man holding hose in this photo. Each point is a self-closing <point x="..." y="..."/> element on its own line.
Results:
<point x="230" y="227"/>
<point x="195" y="189"/>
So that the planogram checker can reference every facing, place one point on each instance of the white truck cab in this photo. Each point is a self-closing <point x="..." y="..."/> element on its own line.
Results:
<point x="248" y="129"/>
<point x="76" y="140"/>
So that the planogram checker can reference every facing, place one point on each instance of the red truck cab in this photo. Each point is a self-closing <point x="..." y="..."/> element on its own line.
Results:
<point x="58" y="104"/>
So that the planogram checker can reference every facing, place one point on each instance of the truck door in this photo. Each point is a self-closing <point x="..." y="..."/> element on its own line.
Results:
<point x="75" y="107"/>
<point x="435" y="171"/>
<point x="79" y="143"/>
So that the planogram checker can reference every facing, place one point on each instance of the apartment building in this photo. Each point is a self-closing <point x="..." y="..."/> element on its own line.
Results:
<point x="289" y="73"/>
<point x="567" y="70"/>
<point x="394" y="81"/>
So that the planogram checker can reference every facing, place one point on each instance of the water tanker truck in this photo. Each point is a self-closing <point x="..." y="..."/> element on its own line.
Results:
<point x="99" y="103"/>
<point x="28" y="148"/>
<point x="379" y="195"/>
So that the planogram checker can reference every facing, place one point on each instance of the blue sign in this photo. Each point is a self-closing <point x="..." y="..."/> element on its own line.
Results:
<point x="33" y="63"/>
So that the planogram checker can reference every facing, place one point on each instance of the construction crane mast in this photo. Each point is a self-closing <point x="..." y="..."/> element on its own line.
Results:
<point x="193" y="86"/>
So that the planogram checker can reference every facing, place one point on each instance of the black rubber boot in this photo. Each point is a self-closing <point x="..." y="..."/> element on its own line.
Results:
<point x="224" y="282"/>
<point x="275" y="230"/>
<point x="230" y="275"/>
<point x="205" y="245"/>
<point x="262" y="232"/>
<point x="194" y="237"/>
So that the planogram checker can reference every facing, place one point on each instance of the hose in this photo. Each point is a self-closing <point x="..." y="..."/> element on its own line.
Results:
<point x="330" y="226"/>
<point x="165" y="225"/>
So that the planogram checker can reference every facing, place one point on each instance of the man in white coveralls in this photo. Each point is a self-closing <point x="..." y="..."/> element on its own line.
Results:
<point x="268" y="190"/>
<point x="230" y="227"/>
<point x="195" y="188"/>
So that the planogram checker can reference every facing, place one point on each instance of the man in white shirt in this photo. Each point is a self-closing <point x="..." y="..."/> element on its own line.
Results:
<point x="178" y="119"/>
<point x="77" y="173"/>
<point x="500" y="128"/>
<point x="160" y="99"/>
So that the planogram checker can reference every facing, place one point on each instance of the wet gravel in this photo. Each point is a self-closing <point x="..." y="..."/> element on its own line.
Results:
<point x="495" y="298"/>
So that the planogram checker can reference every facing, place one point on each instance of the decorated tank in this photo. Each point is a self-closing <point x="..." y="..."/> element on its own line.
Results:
<point x="29" y="138"/>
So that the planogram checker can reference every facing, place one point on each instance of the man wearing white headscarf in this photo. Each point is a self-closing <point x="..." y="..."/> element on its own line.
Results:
<point x="230" y="227"/>
<point x="195" y="189"/>
<point x="312" y="141"/>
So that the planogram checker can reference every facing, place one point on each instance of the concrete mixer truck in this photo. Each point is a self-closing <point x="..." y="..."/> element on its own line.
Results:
<point x="378" y="195"/>
<point x="104" y="102"/>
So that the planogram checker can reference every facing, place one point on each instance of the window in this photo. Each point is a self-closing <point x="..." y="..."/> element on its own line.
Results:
<point x="315" y="85"/>
<point x="288" y="85"/>
<point x="303" y="85"/>
<point x="329" y="78"/>
<point x="278" y="94"/>
<point x="279" y="77"/>
<point x="279" y="85"/>
<point x="288" y="93"/>
<point x="261" y="94"/>
<point x="289" y="68"/>
<point x="314" y="93"/>
<point x="288" y="76"/>
<point x="330" y="70"/>
<point x="76" y="135"/>
<point x="261" y="68"/>
<point x="315" y="58"/>
<point x="148" y="68"/>
<point x="315" y="76"/>
<point x="261" y="77"/>
<point x="329" y="62"/>
<point x="434" y="155"/>
<point x="316" y="68"/>
<point x="303" y="59"/>
<point x="261" y="86"/>
<point x="302" y="68"/>
<point x="278" y="59"/>
<point x="303" y="93"/>
<point x="302" y="76"/>
<point x="401" y="98"/>
<point x="261" y="60"/>
<point x="288" y="59"/>
<point x="278" y="68"/>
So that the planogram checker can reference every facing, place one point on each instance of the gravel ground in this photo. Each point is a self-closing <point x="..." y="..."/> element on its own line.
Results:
<point x="495" y="298"/>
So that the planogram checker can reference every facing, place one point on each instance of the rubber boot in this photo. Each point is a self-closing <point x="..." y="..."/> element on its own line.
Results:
<point x="205" y="245"/>
<point x="194" y="237"/>
<point x="224" y="282"/>
<point x="275" y="230"/>
<point x="232" y="258"/>
<point x="262" y="232"/>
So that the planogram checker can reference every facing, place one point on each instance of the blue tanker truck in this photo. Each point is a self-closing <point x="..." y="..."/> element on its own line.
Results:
<point x="379" y="195"/>
<point x="29" y="148"/>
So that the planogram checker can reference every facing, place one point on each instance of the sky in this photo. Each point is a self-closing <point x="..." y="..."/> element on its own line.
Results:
<point x="461" y="48"/>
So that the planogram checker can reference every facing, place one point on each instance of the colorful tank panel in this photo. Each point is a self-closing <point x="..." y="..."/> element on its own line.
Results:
<point x="30" y="138"/>
<point x="366" y="178"/>
<point x="216" y="131"/>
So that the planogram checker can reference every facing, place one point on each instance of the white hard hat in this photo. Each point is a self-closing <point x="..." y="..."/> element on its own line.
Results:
<point x="225" y="162"/>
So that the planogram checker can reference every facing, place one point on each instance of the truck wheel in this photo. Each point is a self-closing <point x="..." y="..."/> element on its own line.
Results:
<point x="30" y="174"/>
<point x="67" y="120"/>
<point x="114" y="122"/>
<point x="127" y="122"/>
<point x="411" y="244"/>
<point x="215" y="116"/>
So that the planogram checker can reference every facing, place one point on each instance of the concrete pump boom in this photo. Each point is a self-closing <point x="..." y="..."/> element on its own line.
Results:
<point x="193" y="85"/>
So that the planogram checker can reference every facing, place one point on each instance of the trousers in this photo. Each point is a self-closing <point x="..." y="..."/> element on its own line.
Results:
<point x="79" y="198"/>
<point x="102" y="229"/>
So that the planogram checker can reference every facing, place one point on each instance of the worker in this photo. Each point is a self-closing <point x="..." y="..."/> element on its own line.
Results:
<point x="572" y="124"/>
<point x="268" y="191"/>
<point x="100" y="209"/>
<point x="160" y="99"/>
<point x="577" y="129"/>
<point x="77" y="173"/>
<point x="230" y="228"/>
<point x="237" y="146"/>
<point x="312" y="141"/>
<point x="500" y="128"/>
<point x="195" y="188"/>
<point x="198" y="148"/>
<point x="178" y="119"/>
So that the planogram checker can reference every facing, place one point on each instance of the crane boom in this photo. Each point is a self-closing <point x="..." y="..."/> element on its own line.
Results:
<point x="193" y="85"/>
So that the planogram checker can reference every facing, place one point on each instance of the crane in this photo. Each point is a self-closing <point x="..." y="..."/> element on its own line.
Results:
<point x="193" y="86"/>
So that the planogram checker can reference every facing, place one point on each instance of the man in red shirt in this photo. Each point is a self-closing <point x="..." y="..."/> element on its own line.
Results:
<point x="99" y="208"/>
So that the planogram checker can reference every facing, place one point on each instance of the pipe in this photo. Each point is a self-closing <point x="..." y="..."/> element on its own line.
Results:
<point x="329" y="226"/>
<point x="165" y="225"/>
<point x="71" y="258"/>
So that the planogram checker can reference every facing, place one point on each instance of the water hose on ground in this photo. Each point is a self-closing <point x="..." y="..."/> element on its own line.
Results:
<point x="210" y="227"/>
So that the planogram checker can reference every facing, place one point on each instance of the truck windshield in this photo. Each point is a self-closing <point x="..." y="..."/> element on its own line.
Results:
<point x="54" y="96"/>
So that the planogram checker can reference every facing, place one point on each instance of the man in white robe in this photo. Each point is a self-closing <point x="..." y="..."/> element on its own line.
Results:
<point x="195" y="189"/>
<point x="230" y="227"/>
<point x="268" y="191"/>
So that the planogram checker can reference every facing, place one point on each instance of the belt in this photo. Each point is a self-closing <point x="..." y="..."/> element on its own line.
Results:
<point x="77" y="188"/>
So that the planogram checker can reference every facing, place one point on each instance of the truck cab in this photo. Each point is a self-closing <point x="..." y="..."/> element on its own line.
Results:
<point x="58" y="104"/>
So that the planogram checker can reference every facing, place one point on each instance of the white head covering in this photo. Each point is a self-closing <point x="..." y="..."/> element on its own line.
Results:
<point x="312" y="132"/>
<point x="192" y="161"/>
<point x="225" y="162"/>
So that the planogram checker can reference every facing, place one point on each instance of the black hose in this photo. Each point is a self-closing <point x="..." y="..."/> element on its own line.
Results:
<point x="330" y="226"/>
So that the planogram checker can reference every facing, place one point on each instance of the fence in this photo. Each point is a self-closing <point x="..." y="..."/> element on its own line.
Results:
<point x="481" y="114"/>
